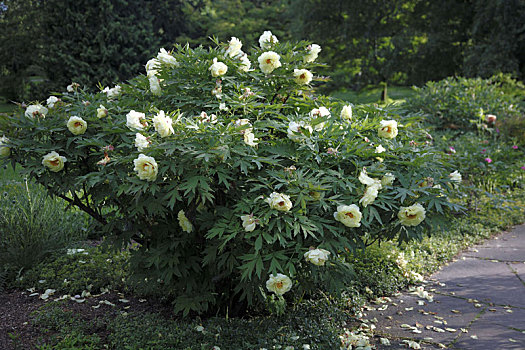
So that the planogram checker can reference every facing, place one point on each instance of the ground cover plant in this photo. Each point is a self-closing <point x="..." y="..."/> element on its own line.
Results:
<point x="233" y="179"/>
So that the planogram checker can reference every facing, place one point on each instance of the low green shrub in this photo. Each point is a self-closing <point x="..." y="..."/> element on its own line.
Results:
<point x="72" y="271"/>
<point x="33" y="226"/>
<point x="461" y="103"/>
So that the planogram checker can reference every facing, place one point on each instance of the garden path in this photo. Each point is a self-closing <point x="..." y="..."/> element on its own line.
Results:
<point x="478" y="302"/>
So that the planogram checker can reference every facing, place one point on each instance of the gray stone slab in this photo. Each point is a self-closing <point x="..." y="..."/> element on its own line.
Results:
<point x="519" y="269"/>
<point x="502" y="253"/>
<point x="486" y="281"/>
<point x="490" y="336"/>
<point x="431" y="315"/>
<point x="511" y="239"/>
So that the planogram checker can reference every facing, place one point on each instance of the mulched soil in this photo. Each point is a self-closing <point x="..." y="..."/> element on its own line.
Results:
<point x="17" y="330"/>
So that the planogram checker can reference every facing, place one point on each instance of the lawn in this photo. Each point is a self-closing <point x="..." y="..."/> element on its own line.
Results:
<point x="373" y="94"/>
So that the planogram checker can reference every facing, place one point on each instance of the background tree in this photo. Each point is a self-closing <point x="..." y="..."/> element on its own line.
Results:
<point x="93" y="41"/>
<point x="498" y="39"/>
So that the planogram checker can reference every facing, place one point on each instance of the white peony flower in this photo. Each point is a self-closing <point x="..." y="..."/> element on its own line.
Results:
<point x="205" y="118"/>
<point x="146" y="168"/>
<point x="101" y="112"/>
<point x="249" y="139"/>
<point x="348" y="215"/>
<point x="279" y="284"/>
<point x="279" y="201"/>
<point x="269" y="61"/>
<point x="234" y="47"/>
<point x="312" y="53"/>
<point x="51" y="101"/>
<point x="302" y="76"/>
<point x="166" y="58"/>
<point x="77" y="125"/>
<point x="241" y="122"/>
<point x="152" y="66"/>
<point x="317" y="256"/>
<point x="248" y="222"/>
<point x="184" y="223"/>
<point x="321" y="112"/>
<point x="37" y="110"/>
<point x="387" y="179"/>
<point x="370" y="195"/>
<point x="112" y="93"/>
<point x="412" y="215"/>
<point x="455" y="176"/>
<point x="367" y="180"/>
<point x="245" y="63"/>
<point x="295" y="130"/>
<point x="54" y="161"/>
<point x="163" y="124"/>
<point x="267" y="39"/>
<point x="141" y="142"/>
<point x="388" y="129"/>
<point x="4" y="150"/>
<point x="380" y="149"/>
<point x="218" y="68"/>
<point x="346" y="113"/>
<point x="154" y="85"/>
<point x="135" y="120"/>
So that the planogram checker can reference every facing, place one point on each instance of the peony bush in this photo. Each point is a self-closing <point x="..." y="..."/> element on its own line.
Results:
<point x="231" y="175"/>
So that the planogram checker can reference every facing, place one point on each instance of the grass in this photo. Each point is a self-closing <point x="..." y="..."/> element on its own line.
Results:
<point x="373" y="94"/>
<point x="5" y="106"/>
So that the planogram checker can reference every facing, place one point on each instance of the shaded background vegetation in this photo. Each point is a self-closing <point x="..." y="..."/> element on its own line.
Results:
<point x="46" y="44"/>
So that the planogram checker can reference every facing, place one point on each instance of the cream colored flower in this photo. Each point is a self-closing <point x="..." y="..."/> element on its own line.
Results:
<point x="135" y="120"/>
<point x="4" y="150"/>
<point x="205" y="118"/>
<point x="245" y="63"/>
<point x="184" y="223"/>
<point x="234" y="47"/>
<point x="367" y="180"/>
<point x="348" y="215"/>
<point x="146" y="168"/>
<point x="37" y="110"/>
<point x="152" y="66"/>
<point x="162" y="124"/>
<point x="165" y="57"/>
<point x="321" y="112"/>
<point x="112" y="93"/>
<point x="346" y="113"/>
<point x="380" y="149"/>
<point x="102" y="112"/>
<point x="313" y="52"/>
<point x="317" y="256"/>
<point x="154" y="85"/>
<point x="295" y="130"/>
<point x="249" y="139"/>
<point x="455" y="176"/>
<point x="54" y="161"/>
<point x="279" y="201"/>
<point x="387" y="179"/>
<point x="141" y="142"/>
<point x="77" y="125"/>
<point x="218" y="68"/>
<point x="241" y="122"/>
<point x="370" y="195"/>
<point x="269" y="61"/>
<point x="302" y="76"/>
<point x="51" y="101"/>
<point x="279" y="284"/>
<point x="388" y="129"/>
<point x="248" y="222"/>
<point x="412" y="215"/>
<point x="267" y="39"/>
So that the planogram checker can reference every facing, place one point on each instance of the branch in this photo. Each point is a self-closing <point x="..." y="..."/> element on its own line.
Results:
<point x="76" y="201"/>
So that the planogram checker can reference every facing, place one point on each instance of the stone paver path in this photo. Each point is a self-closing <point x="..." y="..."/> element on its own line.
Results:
<point x="478" y="302"/>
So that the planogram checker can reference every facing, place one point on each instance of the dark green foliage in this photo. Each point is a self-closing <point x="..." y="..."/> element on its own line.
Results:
<point x="498" y="39"/>
<point x="95" y="41"/>
<point x="72" y="274"/>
